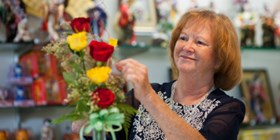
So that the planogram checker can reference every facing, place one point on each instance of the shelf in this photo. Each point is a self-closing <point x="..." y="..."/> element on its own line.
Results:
<point x="16" y="47"/>
<point x="126" y="50"/>
<point x="258" y="48"/>
<point x="259" y="126"/>
<point x="36" y="107"/>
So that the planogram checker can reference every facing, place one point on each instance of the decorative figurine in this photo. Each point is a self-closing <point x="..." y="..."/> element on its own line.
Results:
<point x="268" y="32"/>
<point x="15" y="20"/>
<point x="126" y="22"/>
<point x="166" y="14"/>
<point x="22" y="134"/>
<point x="47" y="131"/>
<point x="52" y="15"/>
<point x="277" y="27"/>
<point x="268" y="29"/>
<point x="4" y="134"/>
<point x="98" y="20"/>
<point x="246" y="21"/>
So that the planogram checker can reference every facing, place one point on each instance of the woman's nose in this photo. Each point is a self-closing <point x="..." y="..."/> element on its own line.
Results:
<point x="189" y="46"/>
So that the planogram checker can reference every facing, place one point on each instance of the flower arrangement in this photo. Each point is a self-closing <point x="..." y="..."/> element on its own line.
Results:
<point x="96" y="93"/>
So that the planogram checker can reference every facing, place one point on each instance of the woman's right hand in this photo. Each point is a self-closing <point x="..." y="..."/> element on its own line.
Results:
<point x="137" y="74"/>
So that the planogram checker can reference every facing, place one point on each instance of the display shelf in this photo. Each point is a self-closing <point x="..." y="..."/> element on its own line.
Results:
<point x="23" y="115"/>
<point x="259" y="48"/>
<point x="16" y="47"/>
<point x="36" y="107"/>
<point x="259" y="126"/>
<point x="126" y="50"/>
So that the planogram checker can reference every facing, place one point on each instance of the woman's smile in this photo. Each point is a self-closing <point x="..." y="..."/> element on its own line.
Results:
<point x="186" y="57"/>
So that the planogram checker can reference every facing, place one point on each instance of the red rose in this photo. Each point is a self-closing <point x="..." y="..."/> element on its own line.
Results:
<point x="80" y="24"/>
<point x="106" y="97"/>
<point x="100" y="51"/>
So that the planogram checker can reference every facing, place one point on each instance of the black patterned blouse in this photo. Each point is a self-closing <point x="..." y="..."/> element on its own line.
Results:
<point x="217" y="117"/>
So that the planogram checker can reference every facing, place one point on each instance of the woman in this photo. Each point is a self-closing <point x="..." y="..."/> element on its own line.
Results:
<point x="205" y="53"/>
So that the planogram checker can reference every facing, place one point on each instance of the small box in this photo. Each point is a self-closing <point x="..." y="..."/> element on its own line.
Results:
<point x="33" y="64"/>
<point x="38" y="91"/>
<point x="51" y="91"/>
<point x="6" y="97"/>
<point x="37" y="63"/>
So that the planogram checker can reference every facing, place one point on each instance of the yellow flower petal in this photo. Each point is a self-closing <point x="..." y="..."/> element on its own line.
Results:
<point x="113" y="42"/>
<point x="77" y="41"/>
<point x="99" y="75"/>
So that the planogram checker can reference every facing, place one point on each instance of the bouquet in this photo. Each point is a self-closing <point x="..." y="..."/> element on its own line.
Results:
<point x="96" y="93"/>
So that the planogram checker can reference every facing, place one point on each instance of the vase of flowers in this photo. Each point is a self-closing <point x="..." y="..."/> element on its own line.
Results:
<point x="95" y="92"/>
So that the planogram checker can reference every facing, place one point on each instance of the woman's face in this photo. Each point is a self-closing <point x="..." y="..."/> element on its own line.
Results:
<point x="194" y="51"/>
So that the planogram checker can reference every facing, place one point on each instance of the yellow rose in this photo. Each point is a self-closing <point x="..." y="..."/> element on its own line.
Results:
<point x="98" y="75"/>
<point x="77" y="41"/>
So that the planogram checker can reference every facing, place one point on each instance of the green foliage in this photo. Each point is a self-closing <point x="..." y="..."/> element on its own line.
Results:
<point x="129" y="113"/>
<point x="72" y="116"/>
<point x="68" y="77"/>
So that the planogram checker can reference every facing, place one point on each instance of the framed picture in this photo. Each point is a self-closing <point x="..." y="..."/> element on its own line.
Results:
<point x="145" y="15"/>
<point x="257" y="96"/>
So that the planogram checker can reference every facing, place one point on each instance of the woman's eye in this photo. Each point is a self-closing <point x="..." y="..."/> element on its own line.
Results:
<point x="201" y="42"/>
<point x="183" y="37"/>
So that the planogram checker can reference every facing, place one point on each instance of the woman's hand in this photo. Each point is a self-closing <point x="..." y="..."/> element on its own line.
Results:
<point x="77" y="125"/>
<point x="136" y="73"/>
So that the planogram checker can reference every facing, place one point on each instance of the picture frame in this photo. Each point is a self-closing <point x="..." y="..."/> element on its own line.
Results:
<point x="145" y="15"/>
<point x="258" y="98"/>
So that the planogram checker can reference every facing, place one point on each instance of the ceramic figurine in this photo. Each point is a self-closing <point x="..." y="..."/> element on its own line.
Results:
<point x="46" y="130"/>
<point x="268" y="32"/>
<point x="277" y="28"/>
<point x="246" y="21"/>
<point x="126" y="22"/>
<point x="52" y="16"/>
<point x="268" y="28"/>
<point x="98" y="20"/>
<point x="22" y="134"/>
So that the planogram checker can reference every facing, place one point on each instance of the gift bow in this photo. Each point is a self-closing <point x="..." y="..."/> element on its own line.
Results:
<point x="105" y="119"/>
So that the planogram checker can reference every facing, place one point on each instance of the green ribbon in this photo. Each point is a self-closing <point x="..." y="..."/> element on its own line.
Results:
<point x="105" y="119"/>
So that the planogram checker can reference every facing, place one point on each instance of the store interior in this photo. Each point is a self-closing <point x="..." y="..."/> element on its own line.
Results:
<point x="26" y="26"/>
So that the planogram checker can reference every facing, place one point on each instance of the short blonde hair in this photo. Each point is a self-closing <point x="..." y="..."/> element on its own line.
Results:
<point x="225" y="42"/>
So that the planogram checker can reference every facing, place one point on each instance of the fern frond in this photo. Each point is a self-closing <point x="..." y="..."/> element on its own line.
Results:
<point x="129" y="113"/>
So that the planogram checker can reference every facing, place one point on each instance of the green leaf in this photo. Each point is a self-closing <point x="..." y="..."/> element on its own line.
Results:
<point x="129" y="113"/>
<point x="82" y="106"/>
<point x="69" y="77"/>
<point x="71" y="116"/>
<point x="76" y="67"/>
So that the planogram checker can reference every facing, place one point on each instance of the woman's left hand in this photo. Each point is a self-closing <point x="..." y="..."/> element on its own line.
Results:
<point x="136" y="73"/>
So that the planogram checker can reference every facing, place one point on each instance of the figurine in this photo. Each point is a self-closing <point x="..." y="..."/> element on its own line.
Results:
<point x="15" y="20"/>
<point x="98" y="20"/>
<point x="246" y="21"/>
<point x="22" y="134"/>
<point x="4" y="134"/>
<point x="126" y="22"/>
<point x="52" y="16"/>
<point x="268" y="32"/>
<point x="277" y="28"/>
<point x="268" y="29"/>
<point x="47" y="131"/>
<point x="166" y="16"/>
